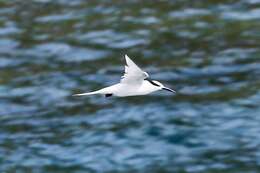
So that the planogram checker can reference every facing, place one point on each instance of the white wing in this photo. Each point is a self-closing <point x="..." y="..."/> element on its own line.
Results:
<point x="133" y="74"/>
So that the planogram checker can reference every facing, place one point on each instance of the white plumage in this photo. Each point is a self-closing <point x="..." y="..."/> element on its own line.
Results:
<point x="134" y="82"/>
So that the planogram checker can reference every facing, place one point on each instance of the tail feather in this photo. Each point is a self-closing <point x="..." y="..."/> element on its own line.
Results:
<point x="107" y="90"/>
<point x="86" y="94"/>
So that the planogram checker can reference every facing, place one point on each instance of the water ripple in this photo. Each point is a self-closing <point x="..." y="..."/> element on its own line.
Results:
<point x="208" y="51"/>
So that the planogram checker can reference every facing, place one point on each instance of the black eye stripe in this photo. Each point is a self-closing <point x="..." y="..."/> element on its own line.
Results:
<point x="153" y="83"/>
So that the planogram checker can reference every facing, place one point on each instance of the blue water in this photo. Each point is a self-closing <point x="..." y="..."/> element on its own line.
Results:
<point x="208" y="51"/>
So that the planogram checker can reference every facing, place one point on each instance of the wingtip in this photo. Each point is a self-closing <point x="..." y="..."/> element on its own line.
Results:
<point x="128" y="60"/>
<point x="126" y="57"/>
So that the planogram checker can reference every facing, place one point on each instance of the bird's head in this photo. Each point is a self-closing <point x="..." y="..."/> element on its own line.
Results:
<point x="159" y="85"/>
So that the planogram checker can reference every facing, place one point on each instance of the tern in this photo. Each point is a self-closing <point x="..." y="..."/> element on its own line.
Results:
<point x="134" y="82"/>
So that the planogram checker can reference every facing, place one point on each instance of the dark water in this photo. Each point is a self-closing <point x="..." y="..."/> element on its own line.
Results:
<point x="208" y="50"/>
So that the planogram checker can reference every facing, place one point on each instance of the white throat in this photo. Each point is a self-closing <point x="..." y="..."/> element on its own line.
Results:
<point x="147" y="88"/>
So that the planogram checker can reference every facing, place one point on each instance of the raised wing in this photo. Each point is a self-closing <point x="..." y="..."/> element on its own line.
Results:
<point x="133" y="74"/>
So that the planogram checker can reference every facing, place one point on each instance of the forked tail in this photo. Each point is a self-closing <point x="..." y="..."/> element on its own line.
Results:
<point x="86" y="94"/>
<point x="104" y="91"/>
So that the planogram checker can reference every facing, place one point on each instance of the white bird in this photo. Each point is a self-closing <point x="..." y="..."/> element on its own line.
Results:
<point x="134" y="82"/>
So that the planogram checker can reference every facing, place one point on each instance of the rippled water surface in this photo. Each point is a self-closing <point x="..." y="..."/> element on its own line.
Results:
<point x="207" y="50"/>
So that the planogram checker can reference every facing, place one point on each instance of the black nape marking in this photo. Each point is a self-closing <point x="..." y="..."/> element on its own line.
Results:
<point x="152" y="82"/>
<point x="108" y="95"/>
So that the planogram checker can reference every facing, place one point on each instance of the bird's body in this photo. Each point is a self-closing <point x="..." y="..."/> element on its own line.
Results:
<point x="120" y="90"/>
<point x="134" y="82"/>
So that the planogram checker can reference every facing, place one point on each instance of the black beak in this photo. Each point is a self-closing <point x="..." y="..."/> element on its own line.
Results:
<point x="168" y="89"/>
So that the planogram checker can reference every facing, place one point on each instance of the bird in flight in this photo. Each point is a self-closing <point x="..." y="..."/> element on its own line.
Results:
<point x="134" y="82"/>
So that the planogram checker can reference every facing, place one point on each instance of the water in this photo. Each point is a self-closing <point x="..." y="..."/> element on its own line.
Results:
<point x="208" y="51"/>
